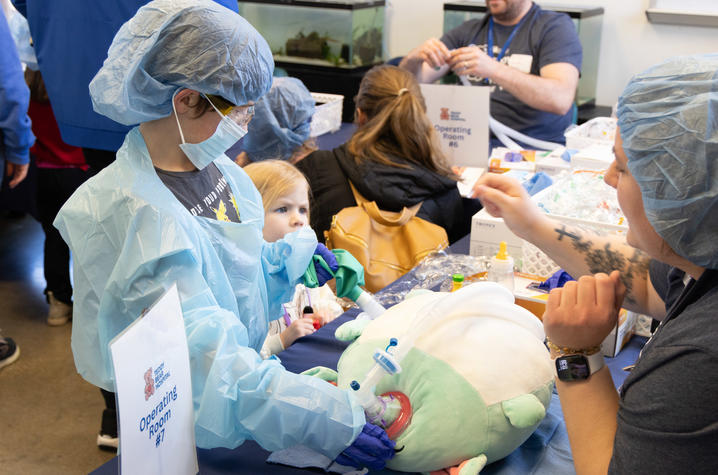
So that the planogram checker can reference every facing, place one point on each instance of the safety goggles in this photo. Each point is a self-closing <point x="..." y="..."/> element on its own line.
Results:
<point x="240" y="115"/>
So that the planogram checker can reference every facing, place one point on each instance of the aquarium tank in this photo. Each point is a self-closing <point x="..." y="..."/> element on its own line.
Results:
<point x="331" y="33"/>
<point x="587" y="19"/>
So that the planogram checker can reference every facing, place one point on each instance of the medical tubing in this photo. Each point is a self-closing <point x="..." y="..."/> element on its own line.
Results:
<point x="369" y="304"/>
<point x="498" y="127"/>
<point x="505" y="133"/>
<point x="510" y="144"/>
<point x="373" y="405"/>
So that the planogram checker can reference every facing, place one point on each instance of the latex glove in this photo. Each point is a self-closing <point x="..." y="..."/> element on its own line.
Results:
<point x="581" y="314"/>
<point x="371" y="449"/>
<point x="323" y="275"/>
<point x="558" y="279"/>
<point x="537" y="182"/>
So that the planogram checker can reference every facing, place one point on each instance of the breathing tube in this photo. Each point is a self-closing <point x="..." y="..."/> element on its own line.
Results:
<point x="505" y="133"/>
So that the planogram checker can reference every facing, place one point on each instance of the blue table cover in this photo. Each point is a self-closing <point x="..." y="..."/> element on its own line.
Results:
<point x="547" y="451"/>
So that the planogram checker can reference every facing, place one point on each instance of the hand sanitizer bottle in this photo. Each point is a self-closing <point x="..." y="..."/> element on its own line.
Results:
<point x="502" y="268"/>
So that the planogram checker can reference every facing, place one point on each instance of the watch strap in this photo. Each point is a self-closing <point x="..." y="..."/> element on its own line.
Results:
<point x="595" y="361"/>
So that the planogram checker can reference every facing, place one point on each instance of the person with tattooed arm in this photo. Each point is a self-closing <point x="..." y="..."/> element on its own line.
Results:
<point x="664" y="418"/>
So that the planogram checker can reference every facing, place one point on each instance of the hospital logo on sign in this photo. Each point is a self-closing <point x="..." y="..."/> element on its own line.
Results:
<point x="149" y="384"/>
<point x="452" y="115"/>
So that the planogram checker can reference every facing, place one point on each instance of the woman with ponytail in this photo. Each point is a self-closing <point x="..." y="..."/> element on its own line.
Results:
<point x="393" y="158"/>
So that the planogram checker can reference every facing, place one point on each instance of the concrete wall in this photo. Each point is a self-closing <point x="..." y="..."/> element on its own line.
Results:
<point x="629" y="43"/>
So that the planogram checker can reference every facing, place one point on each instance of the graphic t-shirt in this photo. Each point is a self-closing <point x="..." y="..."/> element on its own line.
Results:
<point x="203" y="192"/>
<point x="543" y="37"/>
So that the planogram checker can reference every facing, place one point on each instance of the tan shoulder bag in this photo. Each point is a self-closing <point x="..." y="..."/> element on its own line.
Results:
<point x="388" y="244"/>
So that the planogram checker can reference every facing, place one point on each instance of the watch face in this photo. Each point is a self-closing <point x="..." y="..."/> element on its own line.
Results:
<point x="572" y="368"/>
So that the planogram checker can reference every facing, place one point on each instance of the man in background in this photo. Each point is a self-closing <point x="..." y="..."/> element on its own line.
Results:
<point x="529" y="56"/>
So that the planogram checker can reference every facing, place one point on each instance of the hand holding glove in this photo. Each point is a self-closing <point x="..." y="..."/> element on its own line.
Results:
<point x="371" y="449"/>
<point x="324" y="274"/>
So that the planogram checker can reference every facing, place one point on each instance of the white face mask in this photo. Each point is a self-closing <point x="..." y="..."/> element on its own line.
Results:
<point x="202" y="154"/>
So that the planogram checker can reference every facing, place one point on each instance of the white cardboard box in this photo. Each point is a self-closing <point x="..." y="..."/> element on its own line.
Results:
<point x="597" y="131"/>
<point x="552" y="164"/>
<point x="595" y="157"/>
<point x="618" y="338"/>
<point x="486" y="234"/>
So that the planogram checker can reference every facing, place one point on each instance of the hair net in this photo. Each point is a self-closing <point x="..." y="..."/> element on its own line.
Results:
<point x="281" y="121"/>
<point x="668" y="119"/>
<point x="171" y="44"/>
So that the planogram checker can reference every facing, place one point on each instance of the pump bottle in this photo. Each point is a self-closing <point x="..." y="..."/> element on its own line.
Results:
<point x="502" y="268"/>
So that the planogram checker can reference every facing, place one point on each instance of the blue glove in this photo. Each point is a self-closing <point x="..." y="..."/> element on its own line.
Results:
<point x="371" y="449"/>
<point x="323" y="275"/>
<point x="558" y="279"/>
<point x="537" y="183"/>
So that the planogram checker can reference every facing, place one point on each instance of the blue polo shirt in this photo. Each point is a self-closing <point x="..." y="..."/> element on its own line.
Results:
<point x="543" y="37"/>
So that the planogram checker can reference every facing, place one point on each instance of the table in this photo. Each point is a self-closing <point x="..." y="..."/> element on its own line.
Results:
<point x="546" y="452"/>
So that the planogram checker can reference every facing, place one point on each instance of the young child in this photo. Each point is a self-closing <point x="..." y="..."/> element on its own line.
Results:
<point x="61" y="169"/>
<point x="285" y="196"/>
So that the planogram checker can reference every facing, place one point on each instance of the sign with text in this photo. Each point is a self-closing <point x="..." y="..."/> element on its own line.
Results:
<point x="460" y="115"/>
<point x="154" y="392"/>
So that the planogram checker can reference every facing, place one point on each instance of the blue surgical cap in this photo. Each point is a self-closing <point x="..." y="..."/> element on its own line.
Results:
<point x="281" y="121"/>
<point x="668" y="119"/>
<point x="173" y="44"/>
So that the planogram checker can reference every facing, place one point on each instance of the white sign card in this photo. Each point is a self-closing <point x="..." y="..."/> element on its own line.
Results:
<point x="154" y="392"/>
<point x="460" y="115"/>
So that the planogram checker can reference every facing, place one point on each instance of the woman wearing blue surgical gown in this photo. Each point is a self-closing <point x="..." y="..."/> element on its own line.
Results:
<point x="174" y="209"/>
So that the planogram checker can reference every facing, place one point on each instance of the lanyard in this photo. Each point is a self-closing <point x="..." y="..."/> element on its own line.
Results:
<point x="490" y="39"/>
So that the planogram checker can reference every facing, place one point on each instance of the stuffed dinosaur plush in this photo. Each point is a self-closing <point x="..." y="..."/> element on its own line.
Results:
<point x="473" y="386"/>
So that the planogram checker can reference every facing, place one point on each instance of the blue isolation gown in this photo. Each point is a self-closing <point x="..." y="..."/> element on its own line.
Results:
<point x="131" y="239"/>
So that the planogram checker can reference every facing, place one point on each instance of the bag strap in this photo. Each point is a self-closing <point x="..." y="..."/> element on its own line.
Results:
<point x="387" y="218"/>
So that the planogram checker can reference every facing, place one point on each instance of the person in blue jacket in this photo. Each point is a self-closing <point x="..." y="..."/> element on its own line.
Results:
<point x="173" y="208"/>
<point x="70" y="41"/>
<point x="15" y="131"/>
<point x="16" y="136"/>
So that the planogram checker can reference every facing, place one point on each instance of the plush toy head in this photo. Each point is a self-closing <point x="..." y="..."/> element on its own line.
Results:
<point x="478" y="376"/>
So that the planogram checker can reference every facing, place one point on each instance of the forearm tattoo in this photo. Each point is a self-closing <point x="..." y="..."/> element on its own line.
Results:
<point x="607" y="260"/>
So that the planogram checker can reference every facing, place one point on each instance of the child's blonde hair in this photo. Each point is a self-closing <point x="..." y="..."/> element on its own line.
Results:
<point x="274" y="179"/>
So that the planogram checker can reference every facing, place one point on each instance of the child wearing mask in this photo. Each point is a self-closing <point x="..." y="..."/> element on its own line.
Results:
<point x="285" y="196"/>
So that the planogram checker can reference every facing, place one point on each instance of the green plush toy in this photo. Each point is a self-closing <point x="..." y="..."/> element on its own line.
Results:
<point x="474" y="371"/>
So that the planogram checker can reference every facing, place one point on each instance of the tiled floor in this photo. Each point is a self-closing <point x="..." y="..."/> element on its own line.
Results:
<point x="49" y="416"/>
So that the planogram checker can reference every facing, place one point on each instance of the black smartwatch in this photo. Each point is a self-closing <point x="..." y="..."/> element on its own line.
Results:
<point x="578" y="367"/>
